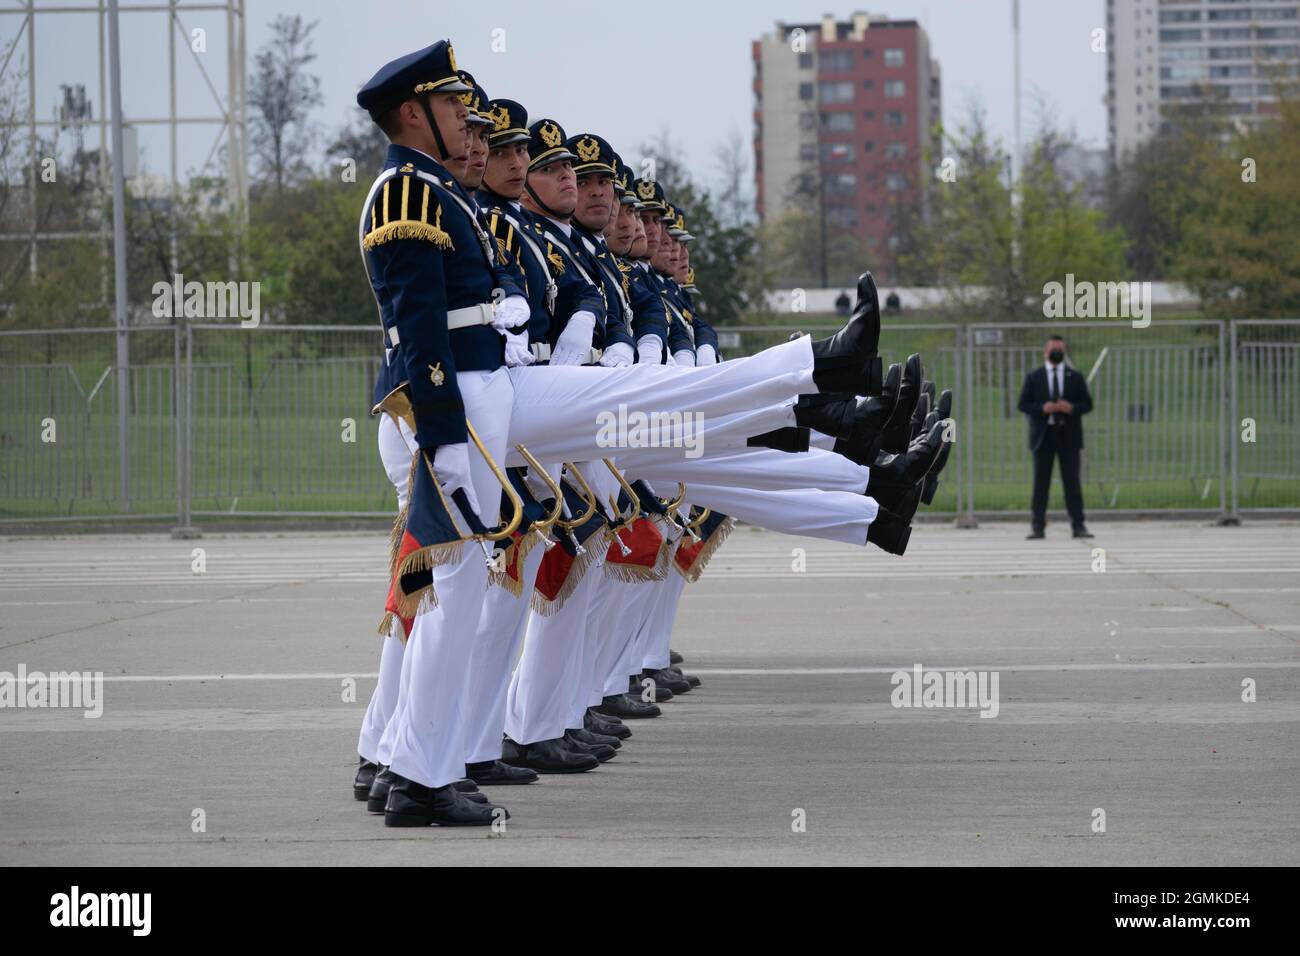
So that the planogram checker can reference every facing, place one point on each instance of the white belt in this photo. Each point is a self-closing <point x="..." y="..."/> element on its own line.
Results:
<point x="480" y="314"/>
<point x="465" y="318"/>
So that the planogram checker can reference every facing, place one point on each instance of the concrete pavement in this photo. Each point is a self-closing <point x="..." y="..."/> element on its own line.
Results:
<point x="1119" y="690"/>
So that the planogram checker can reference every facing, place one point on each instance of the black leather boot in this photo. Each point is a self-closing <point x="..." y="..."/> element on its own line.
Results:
<point x="847" y="361"/>
<point x="889" y="532"/>
<point x="364" y="778"/>
<point x="792" y="439"/>
<point x="593" y="738"/>
<point x="599" y="723"/>
<point x="689" y="678"/>
<point x="600" y="751"/>
<point x="943" y="412"/>
<point x="894" y="475"/>
<point x="661" y="693"/>
<point x="547" y="756"/>
<point x="869" y="420"/>
<point x="411" y="804"/>
<point x="496" y="773"/>
<point x="628" y="707"/>
<point x="898" y="429"/>
<point x="829" y="414"/>
<point x="666" y="678"/>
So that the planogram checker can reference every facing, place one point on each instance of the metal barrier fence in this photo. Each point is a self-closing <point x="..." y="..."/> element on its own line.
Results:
<point x="273" y="421"/>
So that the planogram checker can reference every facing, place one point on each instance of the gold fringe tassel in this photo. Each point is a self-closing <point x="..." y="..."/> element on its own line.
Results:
<point x="501" y="579"/>
<point x="425" y="559"/>
<point x="720" y="535"/>
<point x="580" y="565"/>
<point x="407" y="229"/>
<point x="385" y="624"/>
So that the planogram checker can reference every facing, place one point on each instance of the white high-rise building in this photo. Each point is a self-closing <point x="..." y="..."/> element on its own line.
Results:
<point x="1165" y="57"/>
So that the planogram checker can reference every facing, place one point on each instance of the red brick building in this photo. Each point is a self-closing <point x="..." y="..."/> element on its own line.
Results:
<point x="843" y="111"/>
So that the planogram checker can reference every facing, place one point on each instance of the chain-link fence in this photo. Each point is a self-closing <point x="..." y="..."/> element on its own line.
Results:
<point x="274" y="421"/>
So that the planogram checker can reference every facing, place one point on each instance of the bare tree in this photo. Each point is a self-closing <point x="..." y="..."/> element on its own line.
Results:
<point x="736" y="184"/>
<point x="283" y="95"/>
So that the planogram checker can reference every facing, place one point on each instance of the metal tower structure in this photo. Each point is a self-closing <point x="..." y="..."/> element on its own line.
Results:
<point x="228" y="118"/>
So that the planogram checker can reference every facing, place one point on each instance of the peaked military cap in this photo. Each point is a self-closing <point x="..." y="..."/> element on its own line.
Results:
<point x="509" y="123"/>
<point x="595" y="155"/>
<point x="546" y="144"/>
<point x="475" y="100"/>
<point x="431" y="70"/>
<point x="651" y="195"/>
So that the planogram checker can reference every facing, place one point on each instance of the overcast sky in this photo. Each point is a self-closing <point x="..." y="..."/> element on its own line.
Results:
<point x="625" y="70"/>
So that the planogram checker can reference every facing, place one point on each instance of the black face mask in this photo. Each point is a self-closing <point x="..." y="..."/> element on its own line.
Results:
<point x="1056" y="356"/>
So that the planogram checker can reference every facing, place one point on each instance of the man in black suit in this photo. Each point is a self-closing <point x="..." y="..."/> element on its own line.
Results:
<point x="1055" y="397"/>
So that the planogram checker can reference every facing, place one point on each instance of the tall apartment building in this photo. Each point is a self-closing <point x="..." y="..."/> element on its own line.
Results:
<point x="843" y="112"/>
<point x="1169" y="56"/>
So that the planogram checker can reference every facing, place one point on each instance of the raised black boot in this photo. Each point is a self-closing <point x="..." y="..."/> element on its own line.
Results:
<point x="889" y="532"/>
<point x="791" y="439"/>
<point x="869" y="420"/>
<point x="943" y="411"/>
<point x="601" y="724"/>
<point x="893" y="476"/>
<point x="829" y="414"/>
<point x="898" y="430"/>
<point x="847" y="361"/>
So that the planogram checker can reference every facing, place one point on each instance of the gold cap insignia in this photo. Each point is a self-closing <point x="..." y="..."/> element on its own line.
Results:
<point x="550" y="134"/>
<point x="436" y="374"/>
<point x="451" y="57"/>
<point x="681" y="222"/>
<point x="500" y="119"/>
<point x="468" y="98"/>
<point x="645" y="189"/>
<point x="588" y="149"/>
<point x="425" y="87"/>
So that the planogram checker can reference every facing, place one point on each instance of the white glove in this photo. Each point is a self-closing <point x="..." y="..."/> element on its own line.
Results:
<point x="650" y="350"/>
<point x="451" y="466"/>
<point x="517" y="351"/>
<point x="685" y="357"/>
<point x="510" y="313"/>
<point x="617" y="355"/>
<point x="574" y="344"/>
<point x="706" y="355"/>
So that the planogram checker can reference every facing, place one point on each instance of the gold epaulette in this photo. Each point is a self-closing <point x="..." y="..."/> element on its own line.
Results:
<point x="402" y="210"/>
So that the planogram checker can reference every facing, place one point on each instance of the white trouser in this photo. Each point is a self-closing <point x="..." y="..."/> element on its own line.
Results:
<point x="396" y="448"/>
<point x="659" y="629"/>
<point x="762" y="469"/>
<point x="425" y="740"/>
<point x="501" y="629"/>
<point x="623" y="649"/>
<point x="616" y="614"/>
<point x="831" y="515"/>
<point x="538" y="704"/>
<point x="558" y="411"/>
